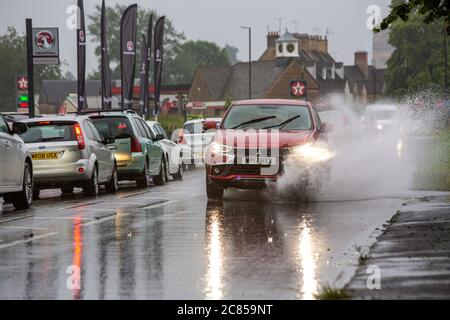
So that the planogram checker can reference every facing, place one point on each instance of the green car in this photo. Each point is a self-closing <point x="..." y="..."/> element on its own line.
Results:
<point x="139" y="158"/>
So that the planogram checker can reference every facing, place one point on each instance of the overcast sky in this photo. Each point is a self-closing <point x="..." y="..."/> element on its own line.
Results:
<point x="218" y="21"/>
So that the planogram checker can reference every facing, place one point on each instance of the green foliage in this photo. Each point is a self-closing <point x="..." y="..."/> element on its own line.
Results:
<point x="232" y="53"/>
<point x="173" y="39"/>
<point x="329" y="293"/>
<point x="433" y="168"/>
<point x="13" y="62"/>
<point x="228" y="101"/>
<point x="181" y="58"/>
<point x="192" y="54"/>
<point x="418" y="60"/>
<point x="171" y="122"/>
<point x="428" y="10"/>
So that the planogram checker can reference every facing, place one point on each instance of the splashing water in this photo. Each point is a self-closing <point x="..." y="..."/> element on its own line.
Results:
<point x="368" y="163"/>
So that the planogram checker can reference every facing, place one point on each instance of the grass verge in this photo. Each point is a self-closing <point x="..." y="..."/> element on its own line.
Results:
<point x="329" y="293"/>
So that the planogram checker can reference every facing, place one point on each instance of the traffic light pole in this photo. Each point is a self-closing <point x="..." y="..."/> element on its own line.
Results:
<point x="30" y="68"/>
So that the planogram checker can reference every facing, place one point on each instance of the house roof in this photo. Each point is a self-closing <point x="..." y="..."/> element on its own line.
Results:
<point x="373" y="82"/>
<point x="231" y="81"/>
<point x="264" y="74"/>
<point x="216" y="79"/>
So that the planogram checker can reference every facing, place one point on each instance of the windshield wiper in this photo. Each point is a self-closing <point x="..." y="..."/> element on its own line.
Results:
<point x="285" y="123"/>
<point x="254" y="121"/>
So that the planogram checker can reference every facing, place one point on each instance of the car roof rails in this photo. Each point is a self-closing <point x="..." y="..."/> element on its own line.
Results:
<point x="92" y="111"/>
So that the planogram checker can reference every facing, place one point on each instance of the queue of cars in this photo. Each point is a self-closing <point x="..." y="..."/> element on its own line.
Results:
<point x="83" y="151"/>
<point x="102" y="148"/>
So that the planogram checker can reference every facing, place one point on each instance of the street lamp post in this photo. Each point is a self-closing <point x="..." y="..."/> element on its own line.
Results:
<point x="445" y="62"/>
<point x="249" y="60"/>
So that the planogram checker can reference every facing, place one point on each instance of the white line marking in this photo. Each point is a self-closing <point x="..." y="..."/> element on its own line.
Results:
<point x="17" y="242"/>
<point x="94" y="222"/>
<point x="24" y="228"/>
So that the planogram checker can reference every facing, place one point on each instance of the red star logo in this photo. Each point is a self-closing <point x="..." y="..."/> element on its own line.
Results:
<point x="298" y="89"/>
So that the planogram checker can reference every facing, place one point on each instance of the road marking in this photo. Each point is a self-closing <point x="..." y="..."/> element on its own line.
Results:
<point x="94" y="222"/>
<point x="160" y="204"/>
<point x="132" y="194"/>
<point x="24" y="228"/>
<point x="62" y="218"/>
<point x="17" y="242"/>
<point x="80" y="205"/>
<point x="15" y="219"/>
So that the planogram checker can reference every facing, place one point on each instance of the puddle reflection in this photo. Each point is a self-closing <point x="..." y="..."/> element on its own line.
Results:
<point x="214" y="254"/>
<point x="307" y="262"/>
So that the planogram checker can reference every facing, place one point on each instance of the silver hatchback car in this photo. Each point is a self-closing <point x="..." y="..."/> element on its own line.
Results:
<point x="70" y="152"/>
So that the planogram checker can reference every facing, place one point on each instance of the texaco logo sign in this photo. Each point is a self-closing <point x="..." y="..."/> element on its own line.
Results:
<point x="298" y="89"/>
<point x="22" y="83"/>
<point x="45" y="40"/>
<point x="82" y="36"/>
<point x="130" y="46"/>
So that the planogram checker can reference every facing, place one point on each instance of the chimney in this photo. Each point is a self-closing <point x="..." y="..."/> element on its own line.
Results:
<point x="271" y="38"/>
<point x="362" y="61"/>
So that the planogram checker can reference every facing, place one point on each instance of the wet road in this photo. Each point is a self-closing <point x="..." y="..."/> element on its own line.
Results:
<point x="169" y="243"/>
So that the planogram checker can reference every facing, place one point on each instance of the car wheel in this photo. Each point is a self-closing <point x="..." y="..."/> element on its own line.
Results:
<point x="144" y="180"/>
<point x="67" y="190"/>
<point x="213" y="192"/>
<point x="113" y="184"/>
<point x="179" y="175"/>
<point x="92" y="188"/>
<point x="166" y="171"/>
<point x="160" y="179"/>
<point x="22" y="200"/>
<point x="36" y="193"/>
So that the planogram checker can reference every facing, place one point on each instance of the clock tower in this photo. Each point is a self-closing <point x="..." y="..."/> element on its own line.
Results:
<point x="287" y="46"/>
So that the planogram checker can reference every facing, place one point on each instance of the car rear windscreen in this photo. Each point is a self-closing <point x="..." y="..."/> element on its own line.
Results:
<point x="49" y="132"/>
<point x="114" y="127"/>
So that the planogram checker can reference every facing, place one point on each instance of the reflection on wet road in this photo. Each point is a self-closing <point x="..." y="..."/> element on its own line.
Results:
<point x="170" y="243"/>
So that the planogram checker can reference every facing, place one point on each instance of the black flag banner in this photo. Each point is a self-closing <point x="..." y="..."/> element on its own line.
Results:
<point x="81" y="57"/>
<point x="128" y="27"/>
<point x="105" y="70"/>
<point x="144" y="76"/>
<point x="149" y="59"/>
<point x="159" y="53"/>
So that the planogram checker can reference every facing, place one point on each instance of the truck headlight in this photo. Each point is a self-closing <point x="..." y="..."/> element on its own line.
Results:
<point x="312" y="153"/>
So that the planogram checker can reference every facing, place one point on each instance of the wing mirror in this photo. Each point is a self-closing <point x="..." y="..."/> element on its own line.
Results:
<point x="327" y="128"/>
<point x="159" y="137"/>
<point x="210" y="125"/>
<point x="19" y="128"/>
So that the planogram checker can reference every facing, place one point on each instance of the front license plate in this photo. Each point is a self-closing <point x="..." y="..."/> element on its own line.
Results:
<point x="264" y="161"/>
<point x="45" y="156"/>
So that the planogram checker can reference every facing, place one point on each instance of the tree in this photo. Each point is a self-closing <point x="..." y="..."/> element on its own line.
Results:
<point x="13" y="62"/>
<point x="173" y="38"/>
<point x="192" y="54"/>
<point x="417" y="62"/>
<point x="429" y="10"/>
<point x="232" y="53"/>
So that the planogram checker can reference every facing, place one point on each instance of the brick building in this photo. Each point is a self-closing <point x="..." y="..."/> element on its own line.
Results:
<point x="287" y="58"/>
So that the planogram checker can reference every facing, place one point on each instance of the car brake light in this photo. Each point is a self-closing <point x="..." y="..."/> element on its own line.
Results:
<point x="135" y="145"/>
<point x="79" y="136"/>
